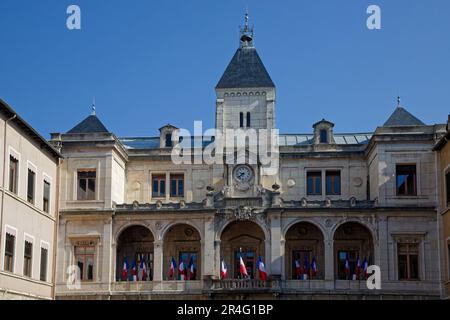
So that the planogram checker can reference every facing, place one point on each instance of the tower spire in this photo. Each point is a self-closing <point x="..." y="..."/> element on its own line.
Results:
<point x="246" y="33"/>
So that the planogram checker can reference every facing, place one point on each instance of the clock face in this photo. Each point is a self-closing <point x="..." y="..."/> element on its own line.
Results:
<point x="243" y="173"/>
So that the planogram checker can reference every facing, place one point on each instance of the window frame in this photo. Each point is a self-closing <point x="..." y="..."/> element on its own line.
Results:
<point x="46" y="246"/>
<point x="323" y="133"/>
<point x="173" y="176"/>
<point x="447" y="187"/>
<point x="317" y="174"/>
<point x="13" y="153"/>
<point x="415" y="182"/>
<point x="248" y="120"/>
<point x="159" y="177"/>
<point x="86" y="193"/>
<point x="85" y="272"/>
<point x="33" y="169"/>
<point x="44" y="182"/>
<point x="333" y="192"/>
<point x="28" y="267"/>
<point x="409" y="253"/>
<point x="241" y="119"/>
<point x="11" y="231"/>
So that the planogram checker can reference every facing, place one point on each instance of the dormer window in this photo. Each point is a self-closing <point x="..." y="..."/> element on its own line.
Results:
<point x="323" y="132"/>
<point x="323" y="136"/>
<point x="168" y="134"/>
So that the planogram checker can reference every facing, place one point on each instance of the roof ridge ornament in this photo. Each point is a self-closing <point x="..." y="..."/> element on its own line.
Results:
<point x="398" y="102"/>
<point x="93" y="112"/>
<point x="246" y="33"/>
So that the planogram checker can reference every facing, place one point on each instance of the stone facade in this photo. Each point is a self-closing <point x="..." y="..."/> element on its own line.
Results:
<point x="336" y="199"/>
<point x="442" y="149"/>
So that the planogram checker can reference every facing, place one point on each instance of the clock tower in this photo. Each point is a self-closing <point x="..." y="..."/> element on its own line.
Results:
<point x="245" y="103"/>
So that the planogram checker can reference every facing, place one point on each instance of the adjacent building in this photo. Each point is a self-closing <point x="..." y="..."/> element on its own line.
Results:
<point x="28" y="209"/>
<point x="442" y="149"/>
<point x="337" y="202"/>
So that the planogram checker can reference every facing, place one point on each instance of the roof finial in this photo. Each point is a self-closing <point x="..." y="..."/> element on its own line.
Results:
<point x="246" y="33"/>
<point x="93" y="107"/>
<point x="398" y="102"/>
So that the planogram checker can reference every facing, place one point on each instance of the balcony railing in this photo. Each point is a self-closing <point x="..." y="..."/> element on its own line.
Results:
<point x="244" y="284"/>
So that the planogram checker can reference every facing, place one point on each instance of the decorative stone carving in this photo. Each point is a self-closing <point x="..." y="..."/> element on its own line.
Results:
<point x="328" y="203"/>
<point x="158" y="225"/>
<point x="291" y="183"/>
<point x="182" y="204"/>
<point x="352" y="202"/>
<point x="135" y="205"/>
<point x="304" y="203"/>
<point x="159" y="204"/>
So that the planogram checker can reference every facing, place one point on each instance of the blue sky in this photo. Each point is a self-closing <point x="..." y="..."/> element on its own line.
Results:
<point x="148" y="63"/>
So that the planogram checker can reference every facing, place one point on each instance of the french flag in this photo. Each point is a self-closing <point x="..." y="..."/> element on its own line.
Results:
<point x="358" y="267"/>
<point x="125" y="270"/>
<point x="347" y="267"/>
<point x="242" y="267"/>
<point x="261" y="269"/>
<point x="181" y="270"/>
<point x="223" y="269"/>
<point x="191" y="269"/>
<point x="142" y="270"/>
<point x="306" y="268"/>
<point x="134" y="271"/>
<point x="313" y="267"/>
<point x="365" y="268"/>
<point x="298" y="269"/>
<point x="173" y="266"/>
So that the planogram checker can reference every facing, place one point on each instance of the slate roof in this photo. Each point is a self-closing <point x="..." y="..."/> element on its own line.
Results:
<point x="285" y="140"/>
<point x="91" y="124"/>
<point x="401" y="117"/>
<point x="245" y="70"/>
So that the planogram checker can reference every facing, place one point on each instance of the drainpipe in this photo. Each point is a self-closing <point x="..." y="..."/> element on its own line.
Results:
<point x="55" y="230"/>
<point x="4" y="175"/>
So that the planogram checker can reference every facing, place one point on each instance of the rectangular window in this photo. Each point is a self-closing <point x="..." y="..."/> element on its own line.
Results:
<point x="248" y="120"/>
<point x="46" y="197"/>
<point x="44" y="258"/>
<point x="314" y="183"/>
<point x="406" y="180"/>
<point x="84" y="258"/>
<point x="241" y="119"/>
<point x="168" y="140"/>
<point x="447" y="187"/>
<point x="13" y="174"/>
<point x="86" y="184"/>
<point x="27" y="259"/>
<point x="323" y="136"/>
<point x="31" y="186"/>
<point x="9" y="252"/>
<point x="159" y="186"/>
<point x="177" y="185"/>
<point x="333" y="180"/>
<point x="408" y="261"/>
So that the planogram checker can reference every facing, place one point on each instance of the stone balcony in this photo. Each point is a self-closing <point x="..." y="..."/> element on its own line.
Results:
<point x="229" y="288"/>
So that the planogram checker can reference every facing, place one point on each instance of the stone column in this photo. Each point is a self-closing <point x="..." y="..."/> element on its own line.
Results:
<point x="107" y="269"/>
<point x="381" y="249"/>
<point x="275" y="246"/>
<point x="158" y="260"/>
<point x="208" y="252"/>
<point x="329" y="259"/>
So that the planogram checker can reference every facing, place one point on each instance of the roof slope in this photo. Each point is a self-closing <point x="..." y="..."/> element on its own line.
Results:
<point x="401" y="117"/>
<point x="245" y="70"/>
<point x="91" y="124"/>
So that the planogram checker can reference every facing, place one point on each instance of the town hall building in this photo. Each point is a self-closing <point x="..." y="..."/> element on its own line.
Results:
<point x="129" y="216"/>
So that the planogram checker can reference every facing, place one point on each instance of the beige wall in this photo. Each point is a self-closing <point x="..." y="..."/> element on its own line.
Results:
<point x="25" y="220"/>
